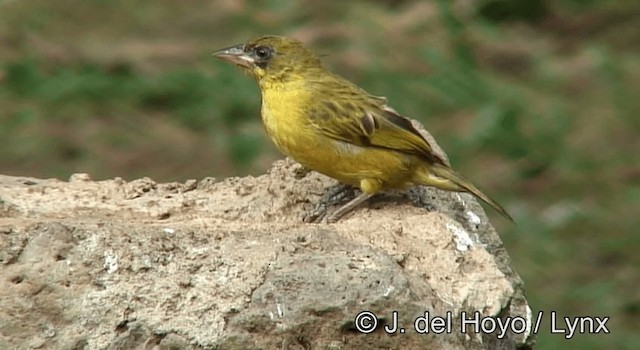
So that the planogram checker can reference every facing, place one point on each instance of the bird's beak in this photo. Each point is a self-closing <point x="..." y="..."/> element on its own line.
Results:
<point x="236" y="55"/>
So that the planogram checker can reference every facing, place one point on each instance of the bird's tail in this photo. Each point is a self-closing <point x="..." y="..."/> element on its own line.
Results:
<point x="445" y="178"/>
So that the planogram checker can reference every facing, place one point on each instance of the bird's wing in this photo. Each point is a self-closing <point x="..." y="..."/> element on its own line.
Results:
<point x="367" y="121"/>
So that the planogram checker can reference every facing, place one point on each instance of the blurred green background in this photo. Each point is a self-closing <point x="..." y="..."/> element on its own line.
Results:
<point x="537" y="101"/>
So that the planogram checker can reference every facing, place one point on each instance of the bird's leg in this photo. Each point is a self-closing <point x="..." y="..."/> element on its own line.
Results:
<point x="334" y="195"/>
<point x="338" y="193"/>
<point x="348" y="207"/>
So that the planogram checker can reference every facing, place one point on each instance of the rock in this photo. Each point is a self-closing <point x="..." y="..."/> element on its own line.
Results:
<point x="229" y="264"/>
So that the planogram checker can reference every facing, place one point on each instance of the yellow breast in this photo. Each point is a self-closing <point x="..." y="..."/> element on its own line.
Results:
<point x="284" y="115"/>
<point x="284" y="120"/>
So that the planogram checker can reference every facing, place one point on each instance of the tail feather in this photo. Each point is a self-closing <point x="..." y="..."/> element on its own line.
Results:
<point x="443" y="177"/>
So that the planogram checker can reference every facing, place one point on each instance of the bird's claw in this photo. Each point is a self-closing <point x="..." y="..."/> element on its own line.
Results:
<point x="301" y="172"/>
<point x="316" y="215"/>
<point x="334" y="195"/>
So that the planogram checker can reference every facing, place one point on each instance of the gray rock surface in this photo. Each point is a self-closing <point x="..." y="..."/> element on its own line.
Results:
<point x="230" y="265"/>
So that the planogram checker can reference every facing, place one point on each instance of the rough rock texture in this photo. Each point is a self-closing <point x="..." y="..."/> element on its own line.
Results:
<point x="230" y="265"/>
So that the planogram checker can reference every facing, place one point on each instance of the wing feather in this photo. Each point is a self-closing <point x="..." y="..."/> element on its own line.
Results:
<point x="364" y="120"/>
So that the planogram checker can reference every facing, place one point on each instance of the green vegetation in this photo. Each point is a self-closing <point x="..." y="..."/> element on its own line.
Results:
<point x="536" y="101"/>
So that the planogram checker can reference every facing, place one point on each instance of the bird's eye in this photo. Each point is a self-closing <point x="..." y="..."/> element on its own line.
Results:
<point x="263" y="52"/>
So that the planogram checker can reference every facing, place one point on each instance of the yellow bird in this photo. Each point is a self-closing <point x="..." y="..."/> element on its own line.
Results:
<point x="330" y="125"/>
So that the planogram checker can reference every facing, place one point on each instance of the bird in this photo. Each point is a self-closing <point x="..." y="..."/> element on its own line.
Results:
<point x="332" y="126"/>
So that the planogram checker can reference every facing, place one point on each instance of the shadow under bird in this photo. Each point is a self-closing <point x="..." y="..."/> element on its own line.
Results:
<point x="330" y="125"/>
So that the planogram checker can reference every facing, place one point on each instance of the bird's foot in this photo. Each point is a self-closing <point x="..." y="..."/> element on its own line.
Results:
<point x="348" y="207"/>
<point x="301" y="172"/>
<point x="334" y="195"/>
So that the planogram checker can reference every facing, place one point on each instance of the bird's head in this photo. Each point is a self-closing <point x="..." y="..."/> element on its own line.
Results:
<point x="272" y="58"/>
